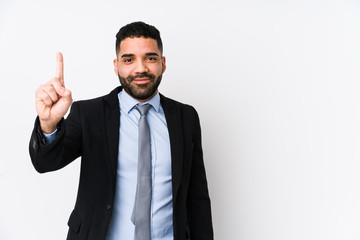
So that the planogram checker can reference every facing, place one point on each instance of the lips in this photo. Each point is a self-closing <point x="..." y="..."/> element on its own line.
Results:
<point x="141" y="80"/>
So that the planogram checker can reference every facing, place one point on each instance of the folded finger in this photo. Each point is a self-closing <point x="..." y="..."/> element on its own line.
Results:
<point x="43" y="97"/>
<point x="50" y="90"/>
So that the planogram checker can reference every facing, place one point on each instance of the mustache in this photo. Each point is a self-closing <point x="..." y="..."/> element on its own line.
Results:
<point x="141" y="75"/>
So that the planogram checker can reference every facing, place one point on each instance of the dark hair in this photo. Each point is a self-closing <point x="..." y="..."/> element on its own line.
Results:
<point x="138" y="29"/>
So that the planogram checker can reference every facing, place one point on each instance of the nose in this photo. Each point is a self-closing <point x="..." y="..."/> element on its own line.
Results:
<point x="141" y="67"/>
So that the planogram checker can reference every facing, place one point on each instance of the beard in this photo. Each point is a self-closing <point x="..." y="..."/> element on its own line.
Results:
<point x="140" y="91"/>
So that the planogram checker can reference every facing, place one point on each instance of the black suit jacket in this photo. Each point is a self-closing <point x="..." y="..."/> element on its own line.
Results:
<point x="92" y="131"/>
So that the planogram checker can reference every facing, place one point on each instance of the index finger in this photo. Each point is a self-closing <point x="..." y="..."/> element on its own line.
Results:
<point x="60" y="68"/>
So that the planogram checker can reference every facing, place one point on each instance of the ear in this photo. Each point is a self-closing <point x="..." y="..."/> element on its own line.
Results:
<point x="116" y="66"/>
<point x="163" y="63"/>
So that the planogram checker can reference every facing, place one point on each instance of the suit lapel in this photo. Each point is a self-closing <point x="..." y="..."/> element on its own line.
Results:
<point x="174" y="123"/>
<point x="112" y="123"/>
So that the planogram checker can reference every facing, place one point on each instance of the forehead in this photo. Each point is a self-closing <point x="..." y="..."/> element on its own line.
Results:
<point x="138" y="45"/>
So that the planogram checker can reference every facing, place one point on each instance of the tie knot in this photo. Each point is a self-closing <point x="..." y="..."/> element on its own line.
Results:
<point x="143" y="109"/>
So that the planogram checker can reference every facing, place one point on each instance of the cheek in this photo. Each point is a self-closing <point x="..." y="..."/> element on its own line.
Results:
<point x="123" y="72"/>
<point x="156" y="69"/>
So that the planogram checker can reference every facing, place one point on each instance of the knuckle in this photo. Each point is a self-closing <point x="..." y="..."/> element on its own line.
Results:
<point x="42" y="95"/>
<point x="49" y="83"/>
<point x="47" y="89"/>
<point x="55" y="81"/>
<point x="47" y="101"/>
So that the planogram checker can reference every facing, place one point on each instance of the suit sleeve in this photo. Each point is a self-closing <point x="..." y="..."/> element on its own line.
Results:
<point x="199" y="209"/>
<point x="64" y="149"/>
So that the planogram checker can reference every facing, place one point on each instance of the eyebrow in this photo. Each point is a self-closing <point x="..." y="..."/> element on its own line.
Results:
<point x="151" y="54"/>
<point x="132" y="55"/>
<point x="127" y="55"/>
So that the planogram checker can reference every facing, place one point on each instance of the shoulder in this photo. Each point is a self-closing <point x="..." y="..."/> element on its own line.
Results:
<point x="170" y="105"/>
<point x="174" y="104"/>
<point x="110" y="99"/>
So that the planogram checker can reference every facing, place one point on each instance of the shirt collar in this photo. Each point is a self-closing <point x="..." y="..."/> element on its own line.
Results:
<point x="127" y="103"/>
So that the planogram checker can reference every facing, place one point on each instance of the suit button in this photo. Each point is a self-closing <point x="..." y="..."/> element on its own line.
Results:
<point x="108" y="207"/>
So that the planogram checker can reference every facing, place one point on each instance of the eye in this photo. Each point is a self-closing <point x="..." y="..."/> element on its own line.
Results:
<point x="127" y="60"/>
<point x="152" y="59"/>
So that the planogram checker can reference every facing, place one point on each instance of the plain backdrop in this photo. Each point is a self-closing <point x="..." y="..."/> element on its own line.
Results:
<point x="276" y="85"/>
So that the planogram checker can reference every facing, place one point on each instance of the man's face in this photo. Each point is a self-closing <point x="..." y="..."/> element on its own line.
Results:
<point x="140" y="66"/>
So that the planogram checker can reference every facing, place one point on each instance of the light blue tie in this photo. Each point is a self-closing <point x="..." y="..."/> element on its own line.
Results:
<point x="141" y="212"/>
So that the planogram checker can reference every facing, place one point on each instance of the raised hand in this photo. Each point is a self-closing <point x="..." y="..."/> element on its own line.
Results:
<point x="53" y="99"/>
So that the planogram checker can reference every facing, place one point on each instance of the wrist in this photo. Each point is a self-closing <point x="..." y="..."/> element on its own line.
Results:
<point x="47" y="128"/>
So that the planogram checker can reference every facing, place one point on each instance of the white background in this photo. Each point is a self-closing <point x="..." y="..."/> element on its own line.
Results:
<point x="276" y="84"/>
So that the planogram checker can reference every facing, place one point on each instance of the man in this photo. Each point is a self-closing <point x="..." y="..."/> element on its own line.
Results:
<point x="112" y="202"/>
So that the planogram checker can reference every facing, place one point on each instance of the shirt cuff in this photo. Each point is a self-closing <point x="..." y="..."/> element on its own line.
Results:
<point x="49" y="138"/>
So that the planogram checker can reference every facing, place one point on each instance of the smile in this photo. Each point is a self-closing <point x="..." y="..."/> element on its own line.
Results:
<point x="141" y="80"/>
